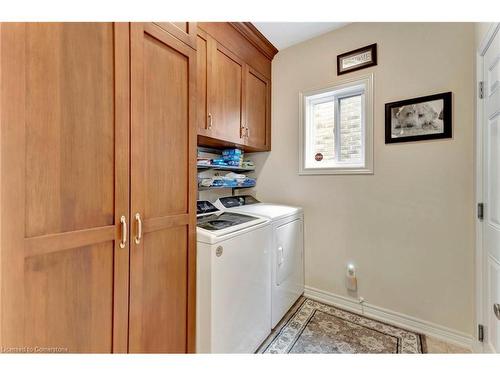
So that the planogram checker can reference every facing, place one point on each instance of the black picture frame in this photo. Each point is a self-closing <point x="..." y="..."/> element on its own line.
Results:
<point x="446" y="118"/>
<point x="373" y="62"/>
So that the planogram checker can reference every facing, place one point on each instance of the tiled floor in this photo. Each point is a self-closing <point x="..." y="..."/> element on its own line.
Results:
<point x="434" y="346"/>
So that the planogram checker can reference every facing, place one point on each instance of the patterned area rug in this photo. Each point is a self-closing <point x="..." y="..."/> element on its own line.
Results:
<point x="319" y="328"/>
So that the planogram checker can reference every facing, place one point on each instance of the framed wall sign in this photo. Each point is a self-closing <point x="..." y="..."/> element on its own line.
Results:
<point x="417" y="119"/>
<point x="358" y="59"/>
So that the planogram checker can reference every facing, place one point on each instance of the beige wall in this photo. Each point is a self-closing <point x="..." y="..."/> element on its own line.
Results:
<point x="409" y="228"/>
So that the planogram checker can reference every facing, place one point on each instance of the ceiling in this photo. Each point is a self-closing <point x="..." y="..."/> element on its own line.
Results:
<point x="286" y="34"/>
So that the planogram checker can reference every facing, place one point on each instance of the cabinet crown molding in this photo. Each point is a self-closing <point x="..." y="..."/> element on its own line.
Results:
<point x="256" y="38"/>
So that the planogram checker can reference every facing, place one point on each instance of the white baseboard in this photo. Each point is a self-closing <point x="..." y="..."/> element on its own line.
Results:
<point x="392" y="317"/>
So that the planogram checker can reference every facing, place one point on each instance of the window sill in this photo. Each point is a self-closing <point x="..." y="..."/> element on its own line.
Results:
<point x="335" y="171"/>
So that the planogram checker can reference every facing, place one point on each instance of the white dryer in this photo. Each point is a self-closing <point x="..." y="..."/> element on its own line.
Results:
<point x="287" y="255"/>
<point x="233" y="299"/>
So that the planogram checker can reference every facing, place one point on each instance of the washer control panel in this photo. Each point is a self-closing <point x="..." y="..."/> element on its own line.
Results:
<point x="238" y="200"/>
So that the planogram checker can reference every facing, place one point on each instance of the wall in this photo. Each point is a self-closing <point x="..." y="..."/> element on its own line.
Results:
<point x="409" y="228"/>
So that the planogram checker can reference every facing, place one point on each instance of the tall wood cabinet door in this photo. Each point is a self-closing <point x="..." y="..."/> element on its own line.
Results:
<point x="64" y="186"/>
<point x="163" y="192"/>
<point x="225" y="94"/>
<point x="257" y="123"/>
<point x="184" y="31"/>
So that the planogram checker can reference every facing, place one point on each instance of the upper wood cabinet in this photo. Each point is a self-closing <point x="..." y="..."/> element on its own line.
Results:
<point x="234" y="101"/>
<point x="225" y="94"/>
<point x="202" y="71"/>
<point x="256" y="128"/>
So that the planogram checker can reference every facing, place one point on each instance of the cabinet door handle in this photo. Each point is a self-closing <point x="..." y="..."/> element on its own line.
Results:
<point x="123" y="222"/>
<point x="209" y="121"/>
<point x="138" y="237"/>
<point x="244" y="131"/>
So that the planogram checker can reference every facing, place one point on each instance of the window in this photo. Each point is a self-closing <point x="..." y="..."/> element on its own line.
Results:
<point x="336" y="129"/>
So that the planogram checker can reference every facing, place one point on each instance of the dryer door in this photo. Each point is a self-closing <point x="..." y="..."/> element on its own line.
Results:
<point x="288" y="250"/>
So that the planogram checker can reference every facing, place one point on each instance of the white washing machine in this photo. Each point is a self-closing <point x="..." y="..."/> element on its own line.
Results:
<point x="287" y="255"/>
<point x="233" y="298"/>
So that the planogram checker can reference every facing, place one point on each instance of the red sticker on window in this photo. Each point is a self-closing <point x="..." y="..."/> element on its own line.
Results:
<point x="318" y="156"/>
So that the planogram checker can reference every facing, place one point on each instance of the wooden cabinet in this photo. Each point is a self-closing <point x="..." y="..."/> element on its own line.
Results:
<point x="234" y="97"/>
<point x="64" y="185"/>
<point x="163" y="189"/>
<point x="184" y="31"/>
<point x="219" y="91"/>
<point x="225" y="94"/>
<point x="257" y="123"/>
<point x="203" y="46"/>
<point x="96" y="122"/>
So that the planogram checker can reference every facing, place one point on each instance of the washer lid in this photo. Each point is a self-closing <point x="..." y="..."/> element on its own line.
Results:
<point x="219" y="221"/>
<point x="215" y="228"/>
<point x="269" y="210"/>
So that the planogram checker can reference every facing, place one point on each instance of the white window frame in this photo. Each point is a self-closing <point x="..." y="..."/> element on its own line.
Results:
<point x="343" y="89"/>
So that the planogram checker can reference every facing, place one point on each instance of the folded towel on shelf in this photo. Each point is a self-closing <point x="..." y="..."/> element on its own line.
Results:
<point x="248" y="164"/>
<point x="217" y="181"/>
<point x="247" y="182"/>
<point x="235" y="176"/>
<point x="232" y="152"/>
<point x="205" y="182"/>
<point x="204" y="161"/>
<point x="233" y="157"/>
<point x="220" y="162"/>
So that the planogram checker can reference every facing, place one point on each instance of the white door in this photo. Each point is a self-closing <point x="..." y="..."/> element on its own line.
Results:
<point x="491" y="194"/>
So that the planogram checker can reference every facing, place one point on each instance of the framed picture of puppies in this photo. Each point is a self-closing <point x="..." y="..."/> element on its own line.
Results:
<point x="418" y="119"/>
